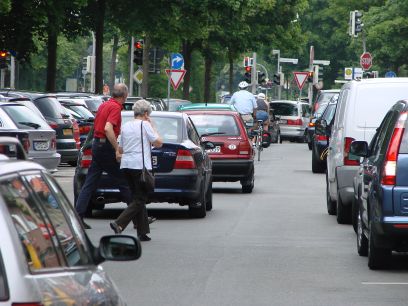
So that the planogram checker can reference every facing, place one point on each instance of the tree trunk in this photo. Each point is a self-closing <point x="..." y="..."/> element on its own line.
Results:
<point x="99" y="28"/>
<point x="52" y="59"/>
<point x="207" y="79"/>
<point x="187" y="54"/>
<point x="146" y="61"/>
<point x="231" y="73"/>
<point x="113" y="61"/>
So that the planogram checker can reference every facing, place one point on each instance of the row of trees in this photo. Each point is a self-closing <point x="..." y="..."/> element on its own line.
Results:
<point x="52" y="36"/>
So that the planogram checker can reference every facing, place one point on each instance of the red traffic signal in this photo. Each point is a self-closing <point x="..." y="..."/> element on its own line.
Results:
<point x="139" y="45"/>
<point x="3" y="54"/>
<point x="248" y="68"/>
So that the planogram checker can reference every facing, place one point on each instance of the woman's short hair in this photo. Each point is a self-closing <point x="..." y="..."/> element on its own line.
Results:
<point x="141" y="107"/>
<point x="120" y="90"/>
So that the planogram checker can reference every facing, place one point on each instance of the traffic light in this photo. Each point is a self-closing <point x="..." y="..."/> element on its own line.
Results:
<point x="138" y="52"/>
<point x="3" y="59"/>
<point x="310" y="76"/>
<point x="247" y="75"/>
<point x="356" y="24"/>
<point x="276" y="79"/>
<point x="261" y="78"/>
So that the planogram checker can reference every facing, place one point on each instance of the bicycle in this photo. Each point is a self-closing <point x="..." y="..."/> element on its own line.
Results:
<point x="259" y="138"/>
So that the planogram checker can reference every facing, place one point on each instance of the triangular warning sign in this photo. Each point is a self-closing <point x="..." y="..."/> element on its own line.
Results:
<point x="177" y="76"/>
<point x="300" y="78"/>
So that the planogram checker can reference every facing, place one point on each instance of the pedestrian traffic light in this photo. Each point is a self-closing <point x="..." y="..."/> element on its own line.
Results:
<point x="261" y="78"/>
<point x="247" y="75"/>
<point x="138" y="52"/>
<point x="356" y="23"/>
<point x="3" y="59"/>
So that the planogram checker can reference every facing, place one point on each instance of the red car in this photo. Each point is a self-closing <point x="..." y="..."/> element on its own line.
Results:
<point x="233" y="155"/>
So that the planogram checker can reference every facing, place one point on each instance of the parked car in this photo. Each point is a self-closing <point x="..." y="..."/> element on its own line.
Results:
<point x="174" y="104"/>
<point x="233" y="155"/>
<point x="41" y="143"/>
<point x="25" y="101"/>
<point x="182" y="167"/>
<point x="92" y="102"/>
<point x="156" y="103"/>
<point x="382" y="214"/>
<point x="360" y="108"/>
<point x="46" y="258"/>
<point x="321" y="137"/>
<point x="293" y="118"/>
<point x="324" y="96"/>
<point x="310" y="129"/>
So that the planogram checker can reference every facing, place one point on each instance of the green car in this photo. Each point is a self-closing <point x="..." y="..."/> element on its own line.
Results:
<point x="206" y="106"/>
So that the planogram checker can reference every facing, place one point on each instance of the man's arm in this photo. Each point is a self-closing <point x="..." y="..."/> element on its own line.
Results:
<point x="110" y="134"/>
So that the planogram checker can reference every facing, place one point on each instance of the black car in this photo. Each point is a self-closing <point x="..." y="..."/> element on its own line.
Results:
<point x="92" y="102"/>
<point x="181" y="166"/>
<point x="321" y="136"/>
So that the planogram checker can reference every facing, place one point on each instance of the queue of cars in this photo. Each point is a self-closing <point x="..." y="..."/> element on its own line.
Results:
<point x="366" y="164"/>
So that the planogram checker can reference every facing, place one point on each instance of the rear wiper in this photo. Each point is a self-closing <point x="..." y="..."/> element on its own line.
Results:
<point x="31" y="124"/>
<point x="214" y="133"/>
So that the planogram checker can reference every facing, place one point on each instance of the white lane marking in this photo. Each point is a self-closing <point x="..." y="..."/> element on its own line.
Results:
<point x="383" y="283"/>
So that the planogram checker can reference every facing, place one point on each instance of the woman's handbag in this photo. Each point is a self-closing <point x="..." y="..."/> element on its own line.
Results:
<point x="147" y="177"/>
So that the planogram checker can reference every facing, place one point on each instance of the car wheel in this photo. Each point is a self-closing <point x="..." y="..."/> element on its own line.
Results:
<point x="331" y="205"/>
<point x="354" y="213"/>
<point x="279" y="138"/>
<point x="362" y="241"/>
<point x="343" y="212"/>
<point x="377" y="257"/>
<point x="200" y="211"/>
<point x="209" y="197"/>
<point x="249" y="182"/>
<point x="317" y="165"/>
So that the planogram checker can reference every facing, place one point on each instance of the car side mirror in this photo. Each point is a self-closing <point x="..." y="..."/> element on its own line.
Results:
<point x="119" y="248"/>
<point x="359" y="148"/>
<point x="208" y="145"/>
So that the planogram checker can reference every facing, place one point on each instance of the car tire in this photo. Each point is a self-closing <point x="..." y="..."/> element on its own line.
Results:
<point x="362" y="241"/>
<point x="331" y="205"/>
<point x="354" y="213"/>
<point x="209" y="197"/>
<point x="343" y="212"/>
<point x="249" y="182"/>
<point x="280" y="138"/>
<point x="377" y="257"/>
<point x="317" y="165"/>
<point x="201" y="211"/>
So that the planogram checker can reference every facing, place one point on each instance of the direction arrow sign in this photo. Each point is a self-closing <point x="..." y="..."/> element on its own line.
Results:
<point x="177" y="76"/>
<point x="300" y="78"/>
<point x="177" y="61"/>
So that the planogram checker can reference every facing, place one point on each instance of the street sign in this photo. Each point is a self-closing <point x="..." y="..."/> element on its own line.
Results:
<point x="138" y="76"/>
<point x="357" y="73"/>
<point x="390" y="74"/>
<point x="348" y="73"/>
<point x="288" y="60"/>
<point x="366" y="60"/>
<point x="177" y="61"/>
<point x="300" y="78"/>
<point x="321" y="62"/>
<point x="177" y="76"/>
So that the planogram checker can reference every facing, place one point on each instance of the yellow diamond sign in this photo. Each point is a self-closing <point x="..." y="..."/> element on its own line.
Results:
<point x="138" y="76"/>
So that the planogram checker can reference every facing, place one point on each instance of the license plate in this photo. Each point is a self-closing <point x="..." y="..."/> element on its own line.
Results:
<point x="217" y="149"/>
<point x="283" y="121"/>
<point x="67" y="131"/>
<point x="41" y="145"/>
<point x="154" y="160"/>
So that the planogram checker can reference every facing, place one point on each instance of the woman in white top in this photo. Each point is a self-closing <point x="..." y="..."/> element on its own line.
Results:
<point x="130" y="153"/>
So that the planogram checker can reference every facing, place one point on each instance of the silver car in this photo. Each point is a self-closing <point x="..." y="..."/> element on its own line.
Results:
<point x="294" y="117"/>
<point x="42" y="140"/>
<point x="46" y="257"/>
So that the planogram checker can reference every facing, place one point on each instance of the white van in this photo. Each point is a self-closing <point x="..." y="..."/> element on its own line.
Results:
<point x="361" y="107"/>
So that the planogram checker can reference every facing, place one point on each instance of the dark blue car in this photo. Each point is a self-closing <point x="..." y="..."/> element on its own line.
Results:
<point x="382" y="212"/>
<point x="182" y="167"/>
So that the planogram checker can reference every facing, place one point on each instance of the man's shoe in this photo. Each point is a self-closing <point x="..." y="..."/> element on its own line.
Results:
<point x="85" y="225"/>
<point x="116" y="228"/>
<point x="151" y="219"/>
<point x="144" y="238"/>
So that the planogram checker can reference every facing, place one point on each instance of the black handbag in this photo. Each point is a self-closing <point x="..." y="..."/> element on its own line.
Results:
<point x="147" y="177"/>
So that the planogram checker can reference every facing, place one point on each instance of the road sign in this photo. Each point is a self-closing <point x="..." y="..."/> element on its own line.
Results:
<point x="366" y="60"/>
<point x="288" y="60"/>
<point x="321" y="62"/>
<point x="390" y="74"/>
<point x="348" y="73"/>
<point x="177" y="61"/>
<point x="300" y="78"/>
<point x="138" y="76"/>
<point x="357" y="73"/>
<point x="177" y="76"/>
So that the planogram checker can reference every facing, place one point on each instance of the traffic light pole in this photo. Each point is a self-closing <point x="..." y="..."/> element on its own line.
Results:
<point x="132" y="47"/>
<point x="254" y="74"/>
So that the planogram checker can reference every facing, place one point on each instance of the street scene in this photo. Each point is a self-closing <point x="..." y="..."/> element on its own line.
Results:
<point x="203" y="152"/>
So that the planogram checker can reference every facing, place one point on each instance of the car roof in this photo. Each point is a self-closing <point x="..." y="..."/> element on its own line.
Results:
<point x="288" y="101"/>
<point x="206" y="106"/>
<point x="213" y="112"/>
<point x="32" y="95"/>
<point x="157" y="114"/>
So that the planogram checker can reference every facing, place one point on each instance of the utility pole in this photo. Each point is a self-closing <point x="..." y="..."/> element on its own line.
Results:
<point x="93" y="63"/>
<point x="12" y="72"/>
<point x="310" y="89"/>
<point x="132" y="46"/>
<point x="254" y="74"/>
<point x="278" y="71"/>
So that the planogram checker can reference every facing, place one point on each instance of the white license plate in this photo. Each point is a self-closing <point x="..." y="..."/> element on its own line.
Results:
<point x="41" y="145"/>
<point x="217" y="149"/>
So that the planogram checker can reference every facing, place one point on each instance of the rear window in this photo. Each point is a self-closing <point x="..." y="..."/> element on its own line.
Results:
<point x="82" y="111"/>
<point x="24" y="118"/>
<point x="285" y="109"/>
<point x="223" y="124"/>
<point x="50" y="107"/>
<point x="168" y="128"/>
<point x="329" y="113"/>
<point x="93" y="104"/>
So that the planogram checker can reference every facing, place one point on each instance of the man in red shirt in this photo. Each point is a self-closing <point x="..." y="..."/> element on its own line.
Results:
<point x="106" y="131"/>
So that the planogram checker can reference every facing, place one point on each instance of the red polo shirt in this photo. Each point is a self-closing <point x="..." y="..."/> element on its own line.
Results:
<point x="108" y="112"/>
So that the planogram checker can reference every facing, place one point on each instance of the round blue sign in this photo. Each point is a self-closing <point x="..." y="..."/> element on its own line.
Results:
<point x="177" y="61"/>
<point x="390" y="74"/>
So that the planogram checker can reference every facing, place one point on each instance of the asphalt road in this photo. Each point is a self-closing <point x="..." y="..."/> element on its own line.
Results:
<point x="276" y="246"/>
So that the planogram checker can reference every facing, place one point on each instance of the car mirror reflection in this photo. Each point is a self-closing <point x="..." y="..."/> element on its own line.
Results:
<point x="120" y="248"/>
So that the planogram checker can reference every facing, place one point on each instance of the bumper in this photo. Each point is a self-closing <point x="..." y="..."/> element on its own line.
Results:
<point x="345" y="177"/>
<point x="68" y="155"/>
<point x="292" y="132"/>
<point x="231" y="170"/>
<point x="392" y="233"/>
<point x="50" y="162"/>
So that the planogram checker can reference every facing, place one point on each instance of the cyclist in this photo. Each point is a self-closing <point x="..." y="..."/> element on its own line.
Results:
<point x="262" y="112"/>
<point x="245" y="103"/>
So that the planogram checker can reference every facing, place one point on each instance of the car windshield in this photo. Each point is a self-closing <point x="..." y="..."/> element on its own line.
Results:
<point x="285" y="109"/>
<point x="82" y="111"/>
<point x="24" y="118"/>
<point x="50" y="107"/>
<point x="223" y="124"/>
<point x="93" y="104"/>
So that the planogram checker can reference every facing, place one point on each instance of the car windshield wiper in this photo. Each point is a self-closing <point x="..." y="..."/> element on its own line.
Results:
<point x="31" y="124"/>
<point x="214" y="133"/>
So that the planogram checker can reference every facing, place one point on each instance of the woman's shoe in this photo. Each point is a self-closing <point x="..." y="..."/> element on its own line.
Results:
<point x="144" y="238"/>
<point x="116" y="228"/>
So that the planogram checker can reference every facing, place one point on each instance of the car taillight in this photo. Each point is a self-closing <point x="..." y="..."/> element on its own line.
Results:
<point x="84" y="129"/>
<point x="52" y="124"/>
<point x="321" y="137"/>
<point x="245" y="148"/>
<point x="295" y="122"/>
<point x="54" y="143"/>
<point x="311" y="124"/>
<point x="184" y="160"/>
<point x="86" y="158"/>
<point x="26" y="143"/>
<point x="347" y="161"/>
<point x="390" y="165"/>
